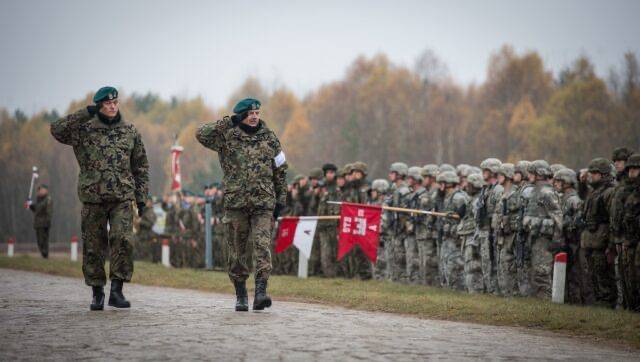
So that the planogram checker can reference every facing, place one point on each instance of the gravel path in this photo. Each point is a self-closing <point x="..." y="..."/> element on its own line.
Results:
<point x="45" y="317"/>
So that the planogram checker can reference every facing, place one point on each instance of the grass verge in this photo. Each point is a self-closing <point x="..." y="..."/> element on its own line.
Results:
<point x="618" y="327"/>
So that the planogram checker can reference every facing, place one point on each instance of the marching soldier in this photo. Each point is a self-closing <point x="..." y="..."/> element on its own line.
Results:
<point x="42" y="212"/>
<point x="254" y="168"/>
<point x="114" y="172"/>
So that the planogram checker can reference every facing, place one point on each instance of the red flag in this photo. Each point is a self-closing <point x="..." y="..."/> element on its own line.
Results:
<point x="286" y="232"/>
<point x="359" y="225"/>
<point x="176" y="178"/>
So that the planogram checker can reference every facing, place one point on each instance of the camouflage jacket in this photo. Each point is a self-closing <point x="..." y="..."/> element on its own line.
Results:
<point x="631" y="217"/>
<point x="488" y="202"/>
<point x="254" y="165"/>
<point x="622" y="190"/>
<point x="42" y="211"/>
<point x="571" y="205"/>
<point x="467" y="225"/>
<point x="112" y="159"/>
<point x="147" y="220"/>
<point x="507" y="211"/>
<point x="428" y="201"/>
<point x="542" y="215"/>
<point x="332" y="193"/>
<point x="455" y="202"/>
<point x="595" y="213"/>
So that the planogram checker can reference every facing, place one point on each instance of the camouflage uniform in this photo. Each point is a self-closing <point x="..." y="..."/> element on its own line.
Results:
<point x="327" y="230"/>
<point x="114" y="171"/>
<point x="450" y="250"/>
<point x="523" y="250"/>
<point x="506" y="215"/>
<point x="380" y="270"/>
<point x="543" y="224"/>
<point x="315" y="260"/>
<point x="571" y="206"/>
<point x="474" y="281"/>
<point x="627" y="230"/>
<point x="426" y="233"/>
<point x="145" y="236"/>
<point x="358" y="191"/>
<point x="254" y="181"/>
<point x="42" y="211"/>
<point x="412" y="255"/>
<point x="598" y="275"/>
<point x="397" y="263"/>
<point x="486" y="224"/>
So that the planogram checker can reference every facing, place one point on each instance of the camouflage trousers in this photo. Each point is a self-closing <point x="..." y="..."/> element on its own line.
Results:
<point x="247" y="231"/>
<point x="473" y="278"/>
<point x="453" y="263"/>
<point x="42" y="237"/>
<point x="380" y="271"/>
<point x="489" y="274"/>
<point x="629" y="279"/>
<point x="315" y="260"/>
<point x="574" y="283"/>
<point x="428" y="256"/>
<point x="328" y="248"/>
<point x="412" y="259"/>
<point x="506" y="271"/>
<point x="598" y="280"/>
<point x="397" y="262"/>
<point x="95" y="239"/>
<point x="541" y="268"/>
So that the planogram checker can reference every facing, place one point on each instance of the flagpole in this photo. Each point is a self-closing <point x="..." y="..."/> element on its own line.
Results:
<point x="411" y="211"/>
<point x="325" y="217"/>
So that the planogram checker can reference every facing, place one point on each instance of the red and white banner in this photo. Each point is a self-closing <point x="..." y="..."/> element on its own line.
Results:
<point x="176" y="178"/>
<point x="359" y="225"/>
<point x="298" y="231"/>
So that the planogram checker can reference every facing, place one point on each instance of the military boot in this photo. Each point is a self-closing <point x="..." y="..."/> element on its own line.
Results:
<point x="116" y="298"/>
<point x="261" y="299"/>
<point x="242" y="299"/>
<point x="97" y="303"/>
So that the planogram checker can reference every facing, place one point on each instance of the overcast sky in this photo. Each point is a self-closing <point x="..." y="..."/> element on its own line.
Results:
<point x="52" y="52"/>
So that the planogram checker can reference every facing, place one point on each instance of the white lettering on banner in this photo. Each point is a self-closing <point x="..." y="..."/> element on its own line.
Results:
<point x="360" y="224"/>
<point x="346" y="225"/>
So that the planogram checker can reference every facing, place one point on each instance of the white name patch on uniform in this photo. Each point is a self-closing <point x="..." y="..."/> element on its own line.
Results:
<point x="280" y="159"/>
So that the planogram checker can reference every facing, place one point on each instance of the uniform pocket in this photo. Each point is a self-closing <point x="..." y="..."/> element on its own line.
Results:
<point x="547" y="227"/>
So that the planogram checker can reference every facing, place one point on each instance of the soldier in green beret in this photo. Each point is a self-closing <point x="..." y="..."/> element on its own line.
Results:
<point x="255" y="191"/>
<point x="114" y="172"/>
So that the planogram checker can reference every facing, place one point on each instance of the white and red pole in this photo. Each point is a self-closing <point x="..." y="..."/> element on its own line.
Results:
<point x="176" y="177"/>
<point x="559" y="278"/>
<point x="74" y="248"/>
<point x="165" y="253"/>
<point x="10" y="245"/>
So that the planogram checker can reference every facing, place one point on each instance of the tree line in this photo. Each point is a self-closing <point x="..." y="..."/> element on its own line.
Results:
<point x="379" y="112"/>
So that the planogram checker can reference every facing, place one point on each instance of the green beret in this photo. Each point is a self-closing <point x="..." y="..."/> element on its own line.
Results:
<point x="105" y="93"/>
<point x="246" y="104"/>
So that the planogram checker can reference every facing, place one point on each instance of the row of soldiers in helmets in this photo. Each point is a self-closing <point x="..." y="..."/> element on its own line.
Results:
<point x="505" y="223"/>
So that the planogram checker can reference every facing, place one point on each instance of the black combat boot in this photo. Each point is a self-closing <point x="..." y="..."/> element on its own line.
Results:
<point x="242" y="299"/>
<point x="116" y="298"/>
<point x="97" y="303"/>
<point x="261" y="299"/>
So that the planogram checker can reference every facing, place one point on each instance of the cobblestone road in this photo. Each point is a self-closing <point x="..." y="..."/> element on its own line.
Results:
<point x="47" y="318"/>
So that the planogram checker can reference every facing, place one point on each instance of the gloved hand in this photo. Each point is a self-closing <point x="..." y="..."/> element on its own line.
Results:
<point x="92" y="109"/>
<point x="277" y="210"/>
<point x="237" y="118"/>
<point x="141" y="206"/>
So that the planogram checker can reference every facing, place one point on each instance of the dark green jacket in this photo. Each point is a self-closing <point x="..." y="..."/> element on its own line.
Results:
<point x="42" y="210"/>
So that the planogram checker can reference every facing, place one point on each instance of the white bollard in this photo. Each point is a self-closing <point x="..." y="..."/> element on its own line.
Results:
<point x="10" y="244"/>
<point x="559" y="278"/>
<point x="165" y="253"/>
<point x="74" y="248"/>
<point x="303" y="266"/>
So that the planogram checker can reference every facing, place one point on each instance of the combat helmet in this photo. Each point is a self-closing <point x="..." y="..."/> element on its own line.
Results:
<point x="522" y="167"/>
<point x="506" y="169"/>
<point x="446" y="167"/>
<point x="621" y="154"/>
<point x="316" y="173"/>
<point x="448" y="177"/>
<point x="430" y="170"/>
<point x="415" y="173"/>
<point x="556" y="167"/>
<point x="601" y="165"/>
<point x="400" y="168"/>
<point x="360" y="166"/>
<point x="540" y="168"/>
<point x="633" y="161"/>
<point x="476" y="180"/>
<point x="380" y="185"/>
<point x="491" y="164"/>
<point x="566" y="175"/>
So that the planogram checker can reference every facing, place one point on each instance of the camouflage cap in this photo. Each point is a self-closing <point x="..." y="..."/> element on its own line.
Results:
<point x="359" y="166"/>
<point x="415" y="173"/>
<point x="491" y="164"/>
<point x="601" y="165"/>
<point x="448" y="177"/>
<point x="540" y="168"/>
<point x="621" y="154"/>
<point x="298" y="178"/>
<point x="522" y="167"/>
<point x="400" y="168"/>
<point x="430" y="170"/>
<point x="476" y="180"/>
<point x="556" y="167"/>
<point x="633" y="161"/>
<point x="380" y="185"/>
<point x="566" y="175"/>
<point x="316" y="173"/>
<point x="348" y="168"/>
<point x="506" y="169"/>
<point x="342" y="172"/>
<point x="105" y="93"/>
